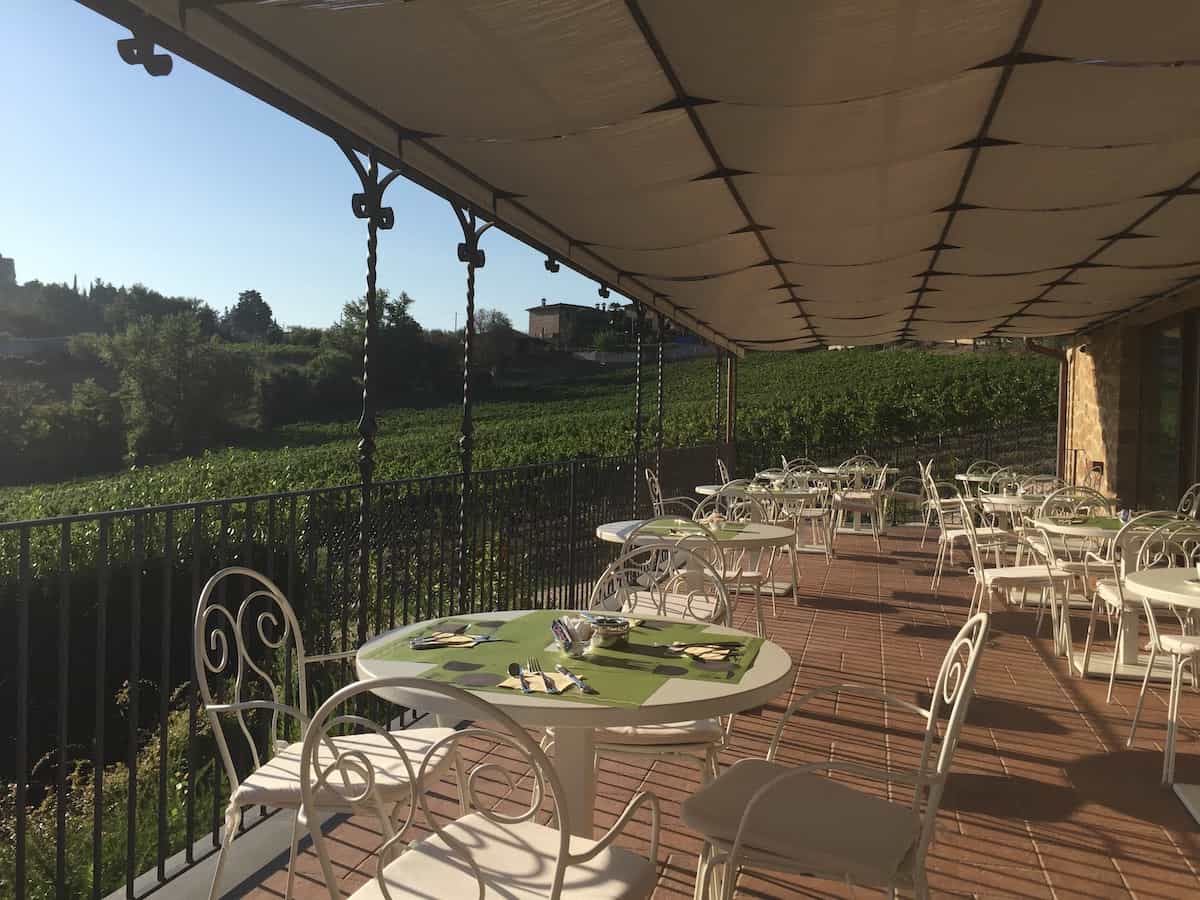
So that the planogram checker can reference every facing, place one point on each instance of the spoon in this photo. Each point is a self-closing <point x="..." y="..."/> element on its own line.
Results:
<point x="516" y="672"/>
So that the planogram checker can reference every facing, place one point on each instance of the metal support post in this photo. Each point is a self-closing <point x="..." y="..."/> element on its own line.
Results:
<point x="639" y="321"/>
<point x="717" y="419"/>
<point x="658" y="427"/>
<point x="368" y="205"/>
<point x="469" y="253"/>
<point x="730" y="398"/>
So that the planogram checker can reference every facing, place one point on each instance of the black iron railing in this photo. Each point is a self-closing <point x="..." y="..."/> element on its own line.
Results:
<point x="1026" y="446"/>
<point x="106" y="764"/>
<point x="107" y="768"/>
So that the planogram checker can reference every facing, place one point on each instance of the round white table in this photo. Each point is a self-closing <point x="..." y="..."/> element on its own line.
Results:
<point x="1094" y="528"/>
<point x="1180" y="588"/>
<point x="1010" y="505"/>
<point x="749" y="536"/>
<point x="676" y="700"/>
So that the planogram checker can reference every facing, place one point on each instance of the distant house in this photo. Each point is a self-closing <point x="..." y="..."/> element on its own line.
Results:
<point x="567" y="324"/>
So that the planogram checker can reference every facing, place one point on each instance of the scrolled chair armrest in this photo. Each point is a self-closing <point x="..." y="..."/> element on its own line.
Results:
<point x="241" y="705"/>
<point x="1091" y="556"/>
<point x="859" y="690"/>
<point x="639" y="800"/>
<point x="686" y="502"/>
<point x="329" y="657"/>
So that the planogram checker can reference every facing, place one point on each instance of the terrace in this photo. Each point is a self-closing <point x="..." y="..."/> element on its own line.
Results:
<point x="1045" y="799"/>
<point x="1014" y="171"/>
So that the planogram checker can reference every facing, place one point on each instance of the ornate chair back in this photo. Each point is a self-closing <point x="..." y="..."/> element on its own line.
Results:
<point x="250" y="665"/>
<point x="352" y="776"/>
<point x="1189" y="503"/>
<point x="663" y="578"/>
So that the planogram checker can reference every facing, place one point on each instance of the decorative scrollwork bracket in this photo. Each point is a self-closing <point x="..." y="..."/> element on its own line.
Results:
<point x="138" y="50"/>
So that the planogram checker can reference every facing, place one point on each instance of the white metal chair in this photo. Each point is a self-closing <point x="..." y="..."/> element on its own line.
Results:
<point x="1175" y="544"/>
<point x="670" y="581"/>
<point x="225" y="638"/>
<point x="723" y="471"/>
<point x="1104" y="571"/>
<point x="492" y="851"/>
<point x="800" y="462"/>
<point x="763" y="814"/>
<point x="1189" y="503"/>
<point x="667" y="506"/>
<point x="1002" y="579"/>
<point x="742" y="568"/>
<point x="865" y="500"/>
<point x="948" y="512"/>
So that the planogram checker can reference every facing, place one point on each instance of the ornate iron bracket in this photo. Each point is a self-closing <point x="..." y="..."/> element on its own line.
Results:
<point x="138" y="50"/>
<point x="368" y="204"/>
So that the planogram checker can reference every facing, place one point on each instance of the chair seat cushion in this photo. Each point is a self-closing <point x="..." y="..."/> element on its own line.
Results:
<point x="515" y="862"/>
<point x="824" y="826"/>
<point x="696" y="731"/>
<point x="1018" y="575"/>
<point x="1107" y="589"/>
<point x="1184" y="645"/>
<point x="277" y="782"/>
<point x="984" y="533"/>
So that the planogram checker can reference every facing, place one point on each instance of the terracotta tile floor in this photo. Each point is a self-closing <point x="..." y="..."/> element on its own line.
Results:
<point x="1045" y="800"/>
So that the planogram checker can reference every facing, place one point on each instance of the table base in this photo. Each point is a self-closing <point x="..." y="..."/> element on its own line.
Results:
<point x="574" y="757"/>
<point x="1100" y="661"/>
<point x="1189" y="794"/>
<point x="777" y="588"/>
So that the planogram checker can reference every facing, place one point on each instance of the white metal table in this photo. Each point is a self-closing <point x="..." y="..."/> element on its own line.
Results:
<point x="573" y="721"/>
<point x="1180" y="588"/>
<point x="1010" y="505"/>
<point x="1096" y="530"/>
<point x="749" y="536"/>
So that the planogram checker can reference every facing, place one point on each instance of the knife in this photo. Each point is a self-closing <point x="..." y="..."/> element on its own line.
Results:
<point x="578" y="682"/>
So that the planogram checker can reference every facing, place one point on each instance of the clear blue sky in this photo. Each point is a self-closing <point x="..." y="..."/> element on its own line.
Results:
<point x="192" y="187"/>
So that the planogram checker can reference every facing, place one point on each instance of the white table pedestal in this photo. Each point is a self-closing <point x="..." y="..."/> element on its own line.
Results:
<point x="574" y="757"/>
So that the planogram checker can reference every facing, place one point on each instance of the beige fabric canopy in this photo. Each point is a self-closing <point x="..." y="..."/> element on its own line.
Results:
<point x="775" y="175"/>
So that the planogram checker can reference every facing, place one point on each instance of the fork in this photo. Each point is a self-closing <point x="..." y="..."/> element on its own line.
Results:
<point x="535" y="667"/>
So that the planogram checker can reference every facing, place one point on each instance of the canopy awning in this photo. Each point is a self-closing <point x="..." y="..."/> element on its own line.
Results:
<point x="775" y="175"/>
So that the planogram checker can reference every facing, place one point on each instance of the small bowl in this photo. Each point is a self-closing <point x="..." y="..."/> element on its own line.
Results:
<point x="609" y="632"/>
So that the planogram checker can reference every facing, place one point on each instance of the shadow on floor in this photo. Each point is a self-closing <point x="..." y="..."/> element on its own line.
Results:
<point x="1128" y="782"/>
<point x="853" y="604"/>
<point x="1006" y="715"/>
<point x="1009" y="797"/>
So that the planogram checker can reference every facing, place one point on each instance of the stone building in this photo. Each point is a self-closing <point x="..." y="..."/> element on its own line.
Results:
<point x="1132" y="411"/>
<point x="8" y="271"/>
<point x="567" y="324"/>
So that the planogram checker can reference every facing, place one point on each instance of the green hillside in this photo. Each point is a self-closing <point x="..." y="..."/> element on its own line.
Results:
<point x="789" y="399"/>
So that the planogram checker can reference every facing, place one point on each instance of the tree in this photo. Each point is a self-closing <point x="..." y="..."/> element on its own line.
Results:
<point x="250" y="319"/>
<point x="180" y="390"/>
<point x="497" y="340"/>
<point x="489" y="320"/>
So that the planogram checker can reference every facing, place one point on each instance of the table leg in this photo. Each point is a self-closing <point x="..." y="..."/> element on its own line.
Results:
<point x="1127" y="650"/>
<point x="575" y="761"/>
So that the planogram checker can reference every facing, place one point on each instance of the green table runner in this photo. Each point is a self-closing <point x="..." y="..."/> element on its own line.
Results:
<point x="724" y="531"/>
<point x="624" y="676"/>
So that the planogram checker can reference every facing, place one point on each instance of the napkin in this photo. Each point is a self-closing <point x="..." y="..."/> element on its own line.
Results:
<point x="706" y="652"/>
<point x="536" y="685"/>
<point x="443" y="639"/>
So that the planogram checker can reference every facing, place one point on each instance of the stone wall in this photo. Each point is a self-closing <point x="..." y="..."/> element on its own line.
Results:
<point x="1099" y="387"/>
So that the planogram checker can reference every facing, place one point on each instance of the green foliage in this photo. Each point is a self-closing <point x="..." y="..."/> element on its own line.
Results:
<point x="785" y="398"/>
<point x="250" y="319"/>
<point x="608" y="340"/>
<point x="41" y="843"/>
<point x="180" y="391"/>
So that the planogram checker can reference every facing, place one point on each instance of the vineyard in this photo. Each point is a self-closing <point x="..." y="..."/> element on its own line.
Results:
<point x="790" y="400"/>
